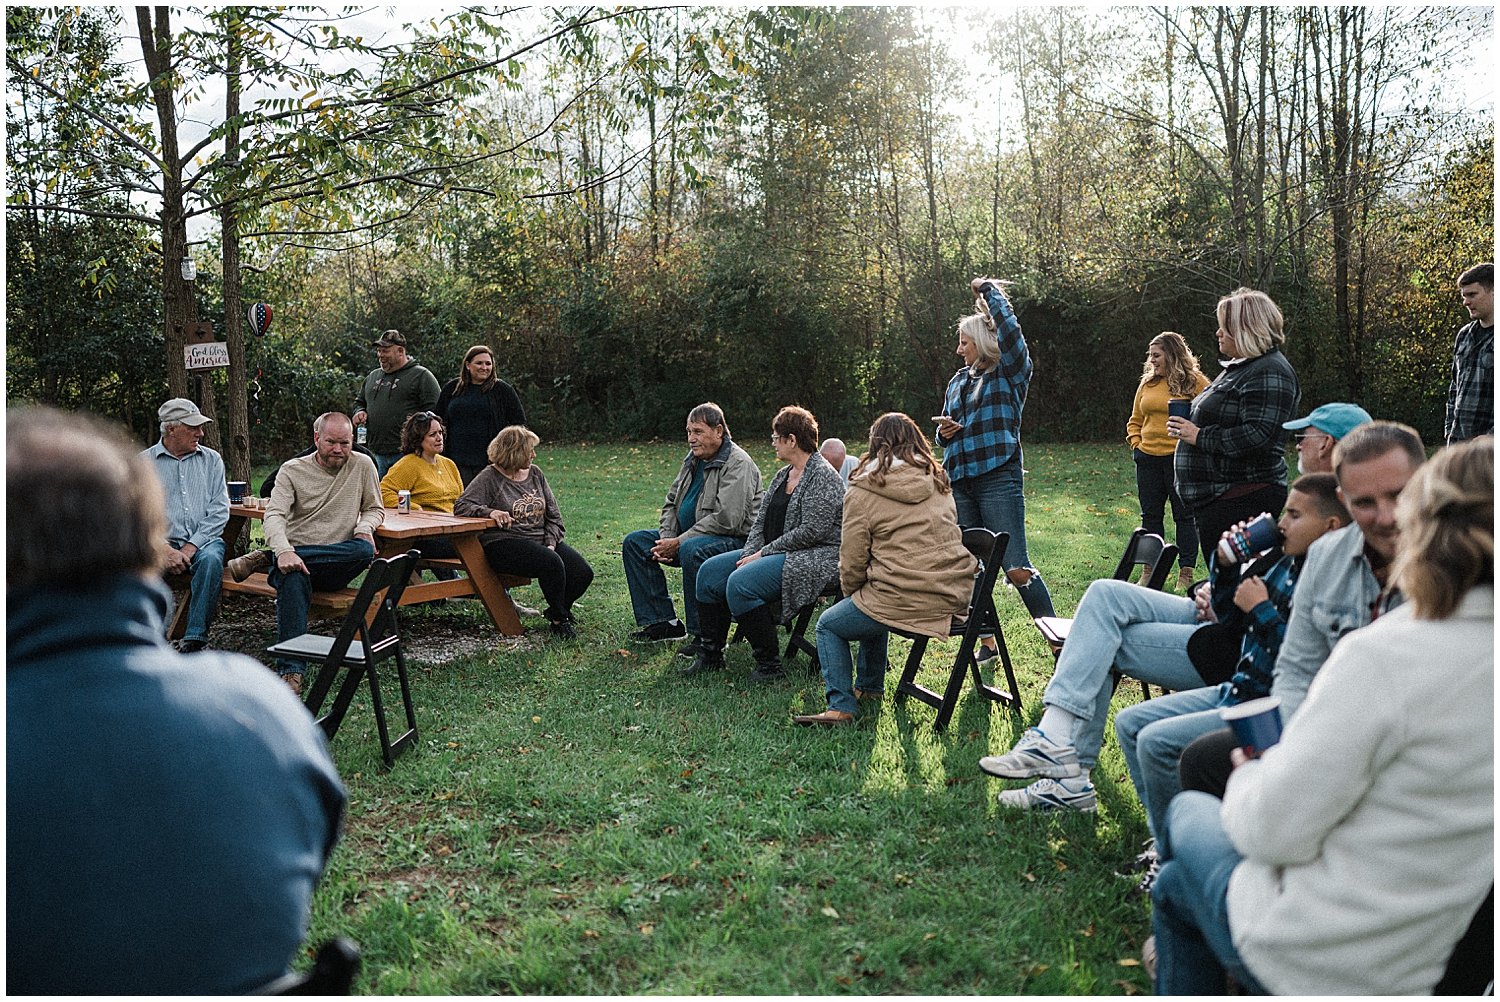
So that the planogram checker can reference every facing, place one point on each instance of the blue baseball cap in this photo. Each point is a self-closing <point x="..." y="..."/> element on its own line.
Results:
<point x="1337" y="420"/>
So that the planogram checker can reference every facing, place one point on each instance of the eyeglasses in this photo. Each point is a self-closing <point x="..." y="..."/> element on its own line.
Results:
<point x="1313" y="435"/>
<point x="776" y="439"/>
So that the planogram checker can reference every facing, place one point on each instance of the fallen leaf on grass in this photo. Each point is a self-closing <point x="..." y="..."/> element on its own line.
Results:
<point x="1128" y="988"/>
<point x="930" y="935"/>
<point x="536" y="720"/>
<point x="1129" y="962"/>
<point x="591" y="934"/>
<point x="1036" y="969"/>
<point x="830" y="911"/>
<point x="1030" y="876"/>
<point x="648" y="928"/>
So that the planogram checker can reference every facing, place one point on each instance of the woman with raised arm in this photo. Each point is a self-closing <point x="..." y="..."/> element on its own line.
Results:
<point x="980" y="432"/>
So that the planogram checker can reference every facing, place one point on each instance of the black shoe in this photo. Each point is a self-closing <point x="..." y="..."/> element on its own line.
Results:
<point x="691" y="649"/>
<point x="563" y="629"/>
<point x="658" y="632"/>
<point x="768" y="672"/>
<point x="707" y="660"/>
<point x="191" y="646"/>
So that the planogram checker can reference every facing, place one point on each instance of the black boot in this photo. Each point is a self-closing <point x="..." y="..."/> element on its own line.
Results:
<point x="759" y="627"/>
<point x="713" y="629"/>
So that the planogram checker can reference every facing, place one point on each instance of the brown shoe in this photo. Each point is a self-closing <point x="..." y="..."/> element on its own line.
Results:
<point x="828" y="718"/>
<point x="294" y="683"/>
<point x="241" y="568"/>
<point x="1184" y="579"/>
<point x="862" y="695"/>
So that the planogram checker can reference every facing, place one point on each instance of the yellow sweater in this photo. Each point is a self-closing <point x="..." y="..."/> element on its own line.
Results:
<point x="433" y="488"/>
<point x="1147" y="428"/>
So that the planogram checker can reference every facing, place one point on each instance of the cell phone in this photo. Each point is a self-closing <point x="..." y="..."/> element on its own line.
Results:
<point x="941" y="417"/>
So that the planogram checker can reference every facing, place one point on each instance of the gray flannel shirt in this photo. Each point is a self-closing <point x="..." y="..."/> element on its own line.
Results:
<point x="1471" y="393"/>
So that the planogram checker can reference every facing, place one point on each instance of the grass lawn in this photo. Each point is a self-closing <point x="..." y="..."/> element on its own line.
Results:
<point x="576" y="819"/>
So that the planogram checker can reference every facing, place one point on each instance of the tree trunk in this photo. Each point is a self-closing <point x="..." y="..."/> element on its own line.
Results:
<point x="237" y="445"/>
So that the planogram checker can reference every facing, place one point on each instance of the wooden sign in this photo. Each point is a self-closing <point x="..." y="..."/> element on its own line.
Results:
<point x="212" y="355"/>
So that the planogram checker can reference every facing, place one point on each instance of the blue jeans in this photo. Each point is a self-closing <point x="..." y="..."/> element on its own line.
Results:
<point x="648" y="585"/>
<point x="1152" y="736"/>
<point x="994" y="501"/>
<point x="1190" y="914"/>
<point x="1141" y="632"/>
<point x="383" y="463"/>
<point x="1155" y="485"/>
<point x="330" y="566"/>
<point x="745" y="588"/>
<point x="838" y="626"/>
<point x="207" y="569"/>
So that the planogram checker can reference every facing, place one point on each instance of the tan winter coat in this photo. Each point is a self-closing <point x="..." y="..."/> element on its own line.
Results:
<point x="901" y="558"/>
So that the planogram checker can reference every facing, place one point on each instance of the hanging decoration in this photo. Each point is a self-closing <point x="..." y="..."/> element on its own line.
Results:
<point x="260" y="318"/>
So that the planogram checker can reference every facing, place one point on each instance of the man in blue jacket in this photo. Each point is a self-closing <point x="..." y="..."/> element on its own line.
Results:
<point x="167" y="815"/>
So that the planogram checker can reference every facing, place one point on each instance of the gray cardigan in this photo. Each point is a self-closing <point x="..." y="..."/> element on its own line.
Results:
<point x="810" y="540"/>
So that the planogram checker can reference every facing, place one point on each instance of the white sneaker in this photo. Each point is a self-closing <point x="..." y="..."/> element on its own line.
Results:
<point x="1052" y="795"/>
<point x="1034" y="755"/>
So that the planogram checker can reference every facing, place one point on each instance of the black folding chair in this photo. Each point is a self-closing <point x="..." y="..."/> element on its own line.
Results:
<point x="379" y="640"/>
<point x="989" y="547"/>
<point x="333" y="973"/>
<point x="1144" y="549"/>
<point x="796" y="630"/>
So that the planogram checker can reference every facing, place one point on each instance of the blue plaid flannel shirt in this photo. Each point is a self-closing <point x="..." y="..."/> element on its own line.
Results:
<point x="988" y="404"/>
<point x="1264" y="625"/>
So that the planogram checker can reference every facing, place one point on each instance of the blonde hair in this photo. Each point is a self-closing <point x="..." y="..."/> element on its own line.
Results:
<point x="1253" y="319"/>
<point x="895" y="436"/>
<point x="1183" y="374"/>
<point x="979" y="328"/>
<point x="511" y="449"/>
<point x="1446" y="514"/>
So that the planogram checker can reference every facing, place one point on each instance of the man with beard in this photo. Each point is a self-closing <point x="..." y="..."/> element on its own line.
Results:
<point x="320" y="525"/>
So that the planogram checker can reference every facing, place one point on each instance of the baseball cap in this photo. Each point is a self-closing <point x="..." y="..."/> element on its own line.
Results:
<point x="1336" y="419"/>
<point x="391" y="337"/>
<point x="181" y="411"/>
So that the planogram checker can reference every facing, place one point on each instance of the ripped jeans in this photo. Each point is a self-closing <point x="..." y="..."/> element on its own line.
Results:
<point x="993" y="501"/>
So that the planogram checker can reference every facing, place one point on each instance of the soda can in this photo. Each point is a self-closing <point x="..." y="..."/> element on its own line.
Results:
<point x="403" y="501"/>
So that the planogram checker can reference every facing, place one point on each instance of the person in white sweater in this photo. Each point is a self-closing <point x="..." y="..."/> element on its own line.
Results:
<point x="1349" y="858"/>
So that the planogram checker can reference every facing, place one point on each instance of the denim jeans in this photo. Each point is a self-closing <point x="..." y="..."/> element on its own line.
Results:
<point x="838" y="626"/>
<point x="330" y="566"/>
<point x="745" y="588"/>
<point x="1155" y="485"/>
<point x="1190" y="913"/>
<point x="994" y="501"/>
<point x="1152" y="736"/>
<point x="1141" y="632"/>
<point x="648" y="585"/>
<point x="384" y="462"/>
<point x="207" y="572"/>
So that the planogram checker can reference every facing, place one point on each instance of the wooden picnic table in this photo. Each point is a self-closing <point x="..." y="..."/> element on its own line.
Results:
<point x="398" y="533"/>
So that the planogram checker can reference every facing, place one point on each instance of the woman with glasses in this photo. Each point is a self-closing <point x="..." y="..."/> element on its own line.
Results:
<point x="475" y="406"/>
<point x="432" y="478"/>
<point x="1229" y="463"/>
<point x="527" y="540"/>
<point x="902" y="563"/>
<point x="1171" y="372"/>
<point x="789" y="557"/>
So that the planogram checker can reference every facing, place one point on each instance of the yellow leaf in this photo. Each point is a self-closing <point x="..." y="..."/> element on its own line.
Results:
<point x="536" y="720"/>
<point x="648" y="928"/>
<point x="1129" y="962"/>
<point x="830" y="911"/>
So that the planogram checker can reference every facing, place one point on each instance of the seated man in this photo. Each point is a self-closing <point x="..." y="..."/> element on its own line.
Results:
<point x="1256" y="599"/>
<point x="197" y="512"/>
<point x="838" y="457"/>
<point x="167" y="817"/>
<point x="1320" y="431"/>
<point x="709" y="510"/>
<point x="1142" y="633"/>
<point x="1343" y="584"/>
<point x="320" y="525"/>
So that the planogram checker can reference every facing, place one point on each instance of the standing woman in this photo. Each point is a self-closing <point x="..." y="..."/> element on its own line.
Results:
<point x="1231" y="453"/>
<point x="790" y="556"/>
<point x="528" y="538"/>
<point x="980" y="432"/>
<point x="474" y="407"/>
<point x="902" y="563"/>
<point x="1171" y="372"/>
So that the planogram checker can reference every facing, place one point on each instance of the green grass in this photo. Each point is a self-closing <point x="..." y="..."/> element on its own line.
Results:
<point x="577" y="819"/>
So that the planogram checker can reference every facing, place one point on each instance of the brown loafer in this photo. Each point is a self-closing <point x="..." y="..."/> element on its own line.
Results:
<point x="828" y="718"/>
<point x="863" y="694"/>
